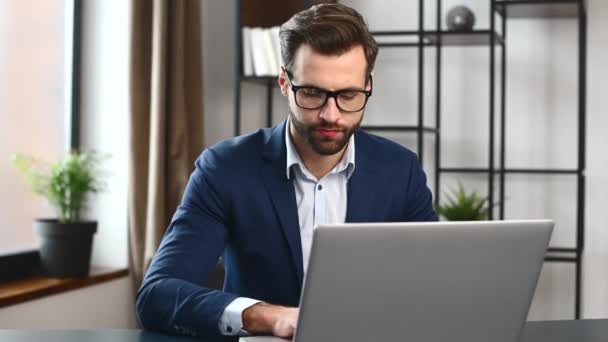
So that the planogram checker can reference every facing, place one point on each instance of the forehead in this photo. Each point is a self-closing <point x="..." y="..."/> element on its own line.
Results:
<point x="330" y="72"/>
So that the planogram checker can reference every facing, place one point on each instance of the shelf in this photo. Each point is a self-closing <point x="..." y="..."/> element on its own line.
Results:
<point x="463" y="38"/>
<point x="449" y="38"/>
<point x="562" y="254"/>
<point x="398" y="128"/>
<point x="538" y="8"/>
<point x="510" y="171"/>
<point x="260" y="79"/>
<point x="497" y="176"/>
<point x="543" y="171"/>
<point x="36" y="287"/>
<point x="562" y="249"/>
<point x="377" y="34"/>
<point x="391" y="39"/>
<point x="402" y="45"/>
<point x="463" y="169"/>
<point x="561" y="259"/>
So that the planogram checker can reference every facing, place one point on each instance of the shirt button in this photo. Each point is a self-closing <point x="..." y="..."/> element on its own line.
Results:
<point x="229" y="329"/>
<point x="320" y="187"/>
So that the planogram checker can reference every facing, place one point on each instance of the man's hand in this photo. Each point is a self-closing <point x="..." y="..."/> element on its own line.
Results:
<point x="263" y="318"/>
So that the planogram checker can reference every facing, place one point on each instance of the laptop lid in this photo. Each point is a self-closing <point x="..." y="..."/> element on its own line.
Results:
<point x="438" y="281"/>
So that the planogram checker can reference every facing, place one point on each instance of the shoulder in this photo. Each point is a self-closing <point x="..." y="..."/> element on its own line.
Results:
<point x="238" y="152"/>
<point x="382" y="151"/>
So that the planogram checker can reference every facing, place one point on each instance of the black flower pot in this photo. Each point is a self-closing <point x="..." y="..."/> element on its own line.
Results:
<point x="65" y="248"/>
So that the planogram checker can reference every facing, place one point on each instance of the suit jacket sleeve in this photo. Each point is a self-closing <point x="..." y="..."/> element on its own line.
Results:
<point x="172" y="298"/>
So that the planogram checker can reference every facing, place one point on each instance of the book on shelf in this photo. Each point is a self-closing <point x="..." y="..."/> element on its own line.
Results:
<point x="276" y="46"/>
<point x="261" y="51"/>
<point x="270" y="57"/>
<point x="247" y="55"/>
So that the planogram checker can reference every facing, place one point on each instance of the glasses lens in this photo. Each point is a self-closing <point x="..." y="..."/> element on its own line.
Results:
<point x="310" y="98"/>
<point x="313" y="98"/>
<point x="351" y="101"/>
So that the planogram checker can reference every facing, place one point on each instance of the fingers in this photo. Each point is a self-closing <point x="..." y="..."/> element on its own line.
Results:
<point x="286" y="323"/>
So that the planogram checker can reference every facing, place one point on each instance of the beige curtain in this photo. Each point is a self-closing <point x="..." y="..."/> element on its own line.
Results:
<point x="166" y="123"/>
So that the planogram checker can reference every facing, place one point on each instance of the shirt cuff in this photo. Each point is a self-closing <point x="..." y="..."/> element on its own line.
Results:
<point x="231" y="322"/>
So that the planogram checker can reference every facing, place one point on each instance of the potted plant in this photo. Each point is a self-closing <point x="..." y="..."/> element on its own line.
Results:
<point x="463" y="206"/>
<point x="65" y="241"/>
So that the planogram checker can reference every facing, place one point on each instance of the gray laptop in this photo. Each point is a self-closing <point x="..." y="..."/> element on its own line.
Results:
<point x="439" y="281"/>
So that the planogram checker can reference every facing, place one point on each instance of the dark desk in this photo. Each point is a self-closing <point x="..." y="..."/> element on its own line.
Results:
<point x="551" y="331"/>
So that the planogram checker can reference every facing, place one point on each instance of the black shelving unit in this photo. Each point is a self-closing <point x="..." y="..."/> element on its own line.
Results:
<point x="496" y="176"/>
<point x="490" y="38"/>
<point x="546" y="9"/>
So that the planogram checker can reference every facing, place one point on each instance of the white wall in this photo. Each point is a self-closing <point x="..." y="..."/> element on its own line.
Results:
<point x="105" y="306"/>
<point x="541" y="120"/>
<point x="595" y="271"/>
<point x="104" y="125"/>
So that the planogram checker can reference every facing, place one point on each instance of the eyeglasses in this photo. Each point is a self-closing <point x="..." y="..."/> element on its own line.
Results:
<point x="347" y="100"/>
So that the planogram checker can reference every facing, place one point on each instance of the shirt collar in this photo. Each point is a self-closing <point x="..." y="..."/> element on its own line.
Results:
<point x="293" y="158"/>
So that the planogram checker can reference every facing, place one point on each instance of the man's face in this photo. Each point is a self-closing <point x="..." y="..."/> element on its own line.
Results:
<point x="326" y="130"/>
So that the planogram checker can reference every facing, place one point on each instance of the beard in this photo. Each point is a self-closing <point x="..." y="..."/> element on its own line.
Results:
<point x="325" y="145"/>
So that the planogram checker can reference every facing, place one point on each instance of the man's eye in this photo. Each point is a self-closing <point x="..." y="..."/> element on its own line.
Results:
<point x="311" y="92"/>
<point x="350" y="95"/>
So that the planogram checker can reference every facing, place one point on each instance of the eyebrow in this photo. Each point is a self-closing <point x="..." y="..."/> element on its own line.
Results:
<point x="308" y="85"/>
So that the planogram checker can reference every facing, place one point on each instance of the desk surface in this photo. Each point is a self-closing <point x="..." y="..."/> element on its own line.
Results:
<point x="550" y="331"/>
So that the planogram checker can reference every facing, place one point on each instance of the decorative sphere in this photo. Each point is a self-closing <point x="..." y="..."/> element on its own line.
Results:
<point x="460" y="18"/>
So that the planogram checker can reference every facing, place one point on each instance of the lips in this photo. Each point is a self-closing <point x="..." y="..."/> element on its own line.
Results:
<point x="330" y="133"/>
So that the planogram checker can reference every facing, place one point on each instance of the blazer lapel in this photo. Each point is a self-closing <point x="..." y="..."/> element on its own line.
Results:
<point x="282" y="194"/>
<point x="358" y="198"/>
<point x="361" y="185"/>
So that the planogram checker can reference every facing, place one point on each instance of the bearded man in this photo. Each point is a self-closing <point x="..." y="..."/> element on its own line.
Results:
<point x="254" y="200"/>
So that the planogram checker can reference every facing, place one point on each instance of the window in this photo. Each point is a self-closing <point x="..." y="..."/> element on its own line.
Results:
<point x="35" y="105"/>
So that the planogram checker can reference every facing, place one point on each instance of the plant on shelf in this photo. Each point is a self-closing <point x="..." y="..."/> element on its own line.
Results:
<point x="65" y="185"/>
<point x="66" y="240"/>
<point x="463" y="206"/>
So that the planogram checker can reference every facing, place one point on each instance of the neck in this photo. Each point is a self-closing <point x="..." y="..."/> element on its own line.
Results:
<point x="319" y="165"/>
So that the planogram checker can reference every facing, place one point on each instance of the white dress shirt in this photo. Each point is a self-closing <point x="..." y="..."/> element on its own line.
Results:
<point x="319" y="201"/>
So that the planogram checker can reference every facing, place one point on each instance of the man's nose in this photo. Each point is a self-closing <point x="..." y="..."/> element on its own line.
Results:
<point x="330" y="112"/>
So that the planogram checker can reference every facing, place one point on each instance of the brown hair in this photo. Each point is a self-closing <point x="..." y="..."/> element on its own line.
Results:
<point x="330" y="29"/>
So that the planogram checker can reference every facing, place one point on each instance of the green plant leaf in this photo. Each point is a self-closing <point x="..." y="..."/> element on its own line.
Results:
<point x="67" y="184"/>
<point x="462" y="206"/>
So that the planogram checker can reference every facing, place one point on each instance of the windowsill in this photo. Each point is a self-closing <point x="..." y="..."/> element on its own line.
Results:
<point x="36" y="287"/>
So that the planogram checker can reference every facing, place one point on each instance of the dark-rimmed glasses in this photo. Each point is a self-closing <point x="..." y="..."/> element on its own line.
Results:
<point x="347" y="100"/>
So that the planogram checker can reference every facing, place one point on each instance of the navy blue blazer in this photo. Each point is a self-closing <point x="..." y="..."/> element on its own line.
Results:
<point x="239" y="204"/>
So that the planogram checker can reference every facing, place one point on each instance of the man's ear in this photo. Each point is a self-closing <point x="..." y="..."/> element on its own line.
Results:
<point x="282" y="81"/>
<point x="369" y="81"/>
